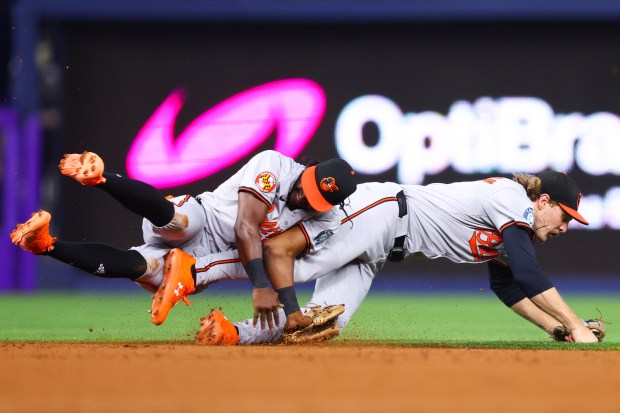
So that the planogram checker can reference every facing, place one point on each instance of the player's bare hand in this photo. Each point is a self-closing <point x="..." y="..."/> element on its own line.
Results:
<point x="296" y="321"/>
<point x="266" y="305"/>
<point x="582" y="334"/>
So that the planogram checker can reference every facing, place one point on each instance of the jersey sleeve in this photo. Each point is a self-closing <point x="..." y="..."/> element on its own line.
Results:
<point x="508" y="207"/>
<point x="504" y="285"/>
<point x="260" y="176"/>
<point x="319" y="229"/>
<point x="523" y="265"/>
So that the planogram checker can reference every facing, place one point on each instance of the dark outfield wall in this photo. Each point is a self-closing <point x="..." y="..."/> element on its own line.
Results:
<point x="409" y="103"/>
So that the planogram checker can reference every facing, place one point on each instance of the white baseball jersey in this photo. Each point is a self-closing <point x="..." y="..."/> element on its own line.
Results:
<point x="460" y="221"/>
<point x="205" y="225"/>
<point x="367" y="234"/>
<point x="269" y="176"/>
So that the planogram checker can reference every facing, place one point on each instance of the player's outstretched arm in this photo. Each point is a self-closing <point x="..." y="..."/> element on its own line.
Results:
<point x="537" y="287"/>
<point x="279" y="253"/>
<point x="510" y="293"/>
<point x="528" y="310"/>
<point x="250" y="215"/>
<point x="552" y="303"/>
<point x="508" y="290"/>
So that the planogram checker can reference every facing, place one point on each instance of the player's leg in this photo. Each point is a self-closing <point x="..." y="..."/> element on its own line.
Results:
<point x="97" y="259"/>
<point x="168" y="273"/>
<point x="217" y="329"/>
<point x="173" y="277"/>
<point x="216" y="267"/>
<point x="227" y="266"/>
<point x="349" y="286"/>
<point x="139" y="197"/>
<point x="248" y="334"/>
<point x="186" y="238"/>
<point x="100" y="259"/>
<point x="186" y="227"/>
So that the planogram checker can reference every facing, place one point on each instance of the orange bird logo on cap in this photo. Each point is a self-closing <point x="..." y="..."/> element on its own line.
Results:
<point x="328" y="184"/>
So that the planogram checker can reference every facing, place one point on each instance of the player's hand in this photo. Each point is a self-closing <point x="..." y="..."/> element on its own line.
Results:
<point x="266" y="304"/>
<point x="296" y="321"/>
<point x="582" y="334"/>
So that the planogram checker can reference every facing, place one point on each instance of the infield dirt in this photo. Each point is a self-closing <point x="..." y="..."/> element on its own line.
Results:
<point x="335" y="377"/>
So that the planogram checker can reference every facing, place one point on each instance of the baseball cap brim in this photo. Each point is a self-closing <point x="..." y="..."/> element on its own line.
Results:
<point x="311" y="190"/>
<point x="573" y="213"/>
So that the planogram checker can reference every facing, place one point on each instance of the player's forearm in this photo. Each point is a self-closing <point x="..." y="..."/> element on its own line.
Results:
<point x="528" y="310"/>
<point x="251" y="255"/>
<point x="248" y="243"/>
<point x="280" y="263"/>
<point x="279" y="254"/>
<point x="280" y="270"/>
<point x="552" y="303"/>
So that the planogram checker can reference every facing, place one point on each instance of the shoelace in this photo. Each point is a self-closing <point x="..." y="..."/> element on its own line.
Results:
<point x="600" y="317"/>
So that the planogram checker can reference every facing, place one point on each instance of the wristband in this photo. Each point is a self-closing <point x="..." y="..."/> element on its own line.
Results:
<point x="288" y="298"/>
<point x="256" y="273"/>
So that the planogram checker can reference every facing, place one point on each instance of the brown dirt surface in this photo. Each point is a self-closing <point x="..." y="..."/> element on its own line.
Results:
<point x="37" y="377"/>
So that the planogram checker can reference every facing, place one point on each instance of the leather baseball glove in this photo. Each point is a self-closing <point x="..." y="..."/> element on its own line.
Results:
<point x="324" y="326"/>
<point x="561" y="333"/>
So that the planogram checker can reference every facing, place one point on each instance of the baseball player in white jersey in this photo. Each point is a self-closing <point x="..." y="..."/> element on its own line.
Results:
<point x="494" y="220"/>
<point x="269" y="195"/>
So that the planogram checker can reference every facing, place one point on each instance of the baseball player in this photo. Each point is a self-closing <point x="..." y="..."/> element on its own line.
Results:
<point x="269" y="195"/>
<point x="495" y="220"/>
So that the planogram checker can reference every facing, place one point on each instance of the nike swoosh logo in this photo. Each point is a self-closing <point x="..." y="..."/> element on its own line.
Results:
<point x="225" y="133"/>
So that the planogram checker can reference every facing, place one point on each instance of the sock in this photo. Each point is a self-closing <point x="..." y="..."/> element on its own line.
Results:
<point x="140" y="198"/>
<point x="100" y="259"/>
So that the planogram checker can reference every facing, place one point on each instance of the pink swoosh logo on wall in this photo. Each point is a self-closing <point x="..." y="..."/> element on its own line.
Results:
<point x="225" y="133"/>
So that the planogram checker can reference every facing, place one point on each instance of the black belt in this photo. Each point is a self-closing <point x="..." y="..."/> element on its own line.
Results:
<point x="397" y="253"/>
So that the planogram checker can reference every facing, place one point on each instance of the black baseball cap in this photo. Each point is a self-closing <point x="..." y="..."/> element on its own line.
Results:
<point x="328" y="183"/>
<point x="563" y="190"/>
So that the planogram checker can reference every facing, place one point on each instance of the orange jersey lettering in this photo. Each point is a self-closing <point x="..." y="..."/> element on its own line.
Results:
<point x="491" y="180"/>
<point x="269" y="228"/>
<point x="483" y="244"/>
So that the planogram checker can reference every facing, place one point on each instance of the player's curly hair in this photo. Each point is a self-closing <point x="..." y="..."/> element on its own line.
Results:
<point x="531" y="183"/>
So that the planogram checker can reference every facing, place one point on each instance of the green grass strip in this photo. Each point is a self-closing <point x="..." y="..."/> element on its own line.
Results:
<point x="444" y="321"/>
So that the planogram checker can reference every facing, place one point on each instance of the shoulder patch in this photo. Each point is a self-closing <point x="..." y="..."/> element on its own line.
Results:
<point x="528" y="214"/>
<point x="266" y="181"/>
<point x="323" y="236"/>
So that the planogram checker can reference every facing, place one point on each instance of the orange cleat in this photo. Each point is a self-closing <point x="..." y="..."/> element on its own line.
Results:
<point x="34" y="234"/>
<point x="86" y="168"/>
<point x="177" y="285"/>
<point x="216" y="330"/>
